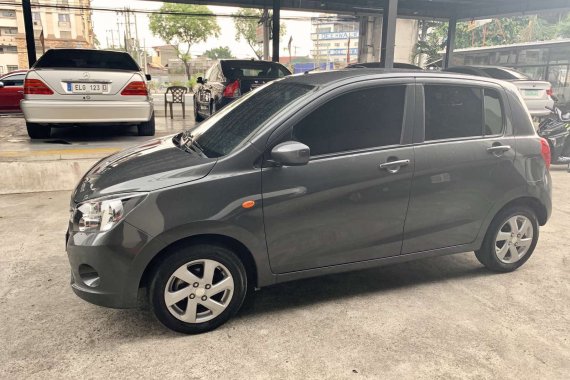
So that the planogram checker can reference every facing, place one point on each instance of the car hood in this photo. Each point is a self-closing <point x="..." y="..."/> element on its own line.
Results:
<point x="150" y="166"/>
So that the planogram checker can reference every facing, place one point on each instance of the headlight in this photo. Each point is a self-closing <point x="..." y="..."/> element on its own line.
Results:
<point x="102" y="214"/>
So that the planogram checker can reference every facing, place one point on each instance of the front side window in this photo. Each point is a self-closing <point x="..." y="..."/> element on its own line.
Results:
<point x="453" y="112"/>
<point x="367" y="118"/>
<point x="14" y="80"/>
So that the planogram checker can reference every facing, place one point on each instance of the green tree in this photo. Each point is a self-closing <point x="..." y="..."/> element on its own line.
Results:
<point x="183" y="30"/>
<point x="222" y="52"/>
<point x="246" y="27"/>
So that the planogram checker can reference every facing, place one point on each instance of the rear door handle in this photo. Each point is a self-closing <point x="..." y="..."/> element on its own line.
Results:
<point x="394" y="166"/>
<point x="498" y="150"/>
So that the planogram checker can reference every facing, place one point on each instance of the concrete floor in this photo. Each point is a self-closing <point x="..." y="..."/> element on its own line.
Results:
<point x="437" y="318"/>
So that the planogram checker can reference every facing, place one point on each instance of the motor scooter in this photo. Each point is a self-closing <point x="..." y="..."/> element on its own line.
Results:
<point x="556" y="130"/>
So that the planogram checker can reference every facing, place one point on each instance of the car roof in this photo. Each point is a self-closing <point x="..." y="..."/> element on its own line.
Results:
<point x="329" y="78"/>
<point x="22" y="71"/>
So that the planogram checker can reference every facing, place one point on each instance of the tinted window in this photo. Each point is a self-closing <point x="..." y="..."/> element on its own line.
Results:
<point x="86" y="59"/>
<point x="237" y="122"/>
<point x="357" y="120"/>
<point x="494" y="119"/>
<point x="253" y="69"/>
<point x="453" y="112"/>
<point x="14" y="80"/>
<point x="504" y="74"/>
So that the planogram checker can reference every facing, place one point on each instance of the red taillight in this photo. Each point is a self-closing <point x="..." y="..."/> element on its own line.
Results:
<point x="135" y="88"/>
<point x="36" y="87"/>
<point x="549" y="92"/>
<point x="545" y="152"/>
<point x="232" y="90"/>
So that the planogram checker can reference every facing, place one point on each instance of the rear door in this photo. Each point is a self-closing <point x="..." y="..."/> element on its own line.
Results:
<point x="349" y="203"/>
<point x="12" y="92"/>
<point x="464" y="163"/>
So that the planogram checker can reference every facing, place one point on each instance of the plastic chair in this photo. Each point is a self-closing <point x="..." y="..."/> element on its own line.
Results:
<point x="178" y="96"/>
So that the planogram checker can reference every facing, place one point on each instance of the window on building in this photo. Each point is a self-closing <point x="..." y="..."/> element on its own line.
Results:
<point x="36" y="16"/>
<point x="8" y="49"/>
<point x="63" y="17"/>
<point x="65" y="34"/>
<point x="12" y="67"/>
<point x="494" y="119"/>
<point x="8" y="13"/>
<point x="453" y="112"/>
<point x="335" y="127"/>
<point x="8" y="31"/>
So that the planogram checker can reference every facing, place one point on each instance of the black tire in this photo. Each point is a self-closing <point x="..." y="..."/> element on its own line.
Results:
<point x="161" y="280"/>
<point x="37" y="131"/>
<point x="197" y="116"/>
<point x="147" y="128"/>
<point x="487" y="255"/>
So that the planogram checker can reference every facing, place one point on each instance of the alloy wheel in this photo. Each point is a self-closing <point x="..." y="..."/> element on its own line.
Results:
<point x="514" y="239"/>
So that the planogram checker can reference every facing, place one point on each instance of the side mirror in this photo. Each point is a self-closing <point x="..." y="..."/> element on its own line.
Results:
<point x="291" y="153"/>
<point x="1" y="84"/>
<point x="200" y="80"/>
<point x="148" y="77"/>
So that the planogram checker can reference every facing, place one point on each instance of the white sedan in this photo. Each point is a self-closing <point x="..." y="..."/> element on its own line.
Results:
<point x="83" y="87"/>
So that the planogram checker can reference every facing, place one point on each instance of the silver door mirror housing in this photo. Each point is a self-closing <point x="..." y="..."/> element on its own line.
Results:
<point x="291" y="153"/>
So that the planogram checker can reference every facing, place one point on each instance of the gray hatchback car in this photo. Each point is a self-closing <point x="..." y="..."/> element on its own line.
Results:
<point x="306" y="176"/>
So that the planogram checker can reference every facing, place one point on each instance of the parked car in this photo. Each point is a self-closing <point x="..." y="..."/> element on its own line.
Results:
<point x="82" y="87"/>
<point x="229" y="79"/>
<point x="536" y="94"/>
<point x="311" y="175"/>
<point x="379" y="65"/>
<point x="12" y="91"/>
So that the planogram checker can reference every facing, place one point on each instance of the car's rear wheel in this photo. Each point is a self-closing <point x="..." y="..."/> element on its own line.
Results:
<point x="38" y="131"/>
<point x="510" y="240"/>
<point x="198" y="288"/>
<point x="147" y="128"/>
<point x="197" y="116"/>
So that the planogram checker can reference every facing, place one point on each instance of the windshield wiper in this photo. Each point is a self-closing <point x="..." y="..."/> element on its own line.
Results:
<point x="188" y="143"/>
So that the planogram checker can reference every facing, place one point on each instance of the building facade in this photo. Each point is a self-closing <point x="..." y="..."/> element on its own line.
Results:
<point x="55" y="26"/>
<point x="337" y="40"/>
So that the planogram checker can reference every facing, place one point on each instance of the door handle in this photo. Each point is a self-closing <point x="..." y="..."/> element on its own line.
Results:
<point x="498" y="150"/>
<point x="394" y="166"/>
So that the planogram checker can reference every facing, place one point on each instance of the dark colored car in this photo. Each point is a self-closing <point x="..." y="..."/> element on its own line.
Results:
<point x="311" y="175"/>
<point x="12" y="91"/>
<point x="379" y="65"/>
<point x="229" y="79"/>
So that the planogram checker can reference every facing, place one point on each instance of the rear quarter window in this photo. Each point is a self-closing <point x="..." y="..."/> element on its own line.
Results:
<point x="86" y="60"/>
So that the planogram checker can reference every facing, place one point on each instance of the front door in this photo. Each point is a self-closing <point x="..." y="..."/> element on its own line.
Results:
<point x="464" y="164"/>
<point x="347" y="204"/>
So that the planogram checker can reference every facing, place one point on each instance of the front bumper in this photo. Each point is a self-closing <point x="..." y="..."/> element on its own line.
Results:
<point x="59" y="111"/>
<point x="107" y="258"/>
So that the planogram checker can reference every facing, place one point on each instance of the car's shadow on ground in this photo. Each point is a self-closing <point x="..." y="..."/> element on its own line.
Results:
<point x="93" y="133"/>
<point x="298" y="294"/>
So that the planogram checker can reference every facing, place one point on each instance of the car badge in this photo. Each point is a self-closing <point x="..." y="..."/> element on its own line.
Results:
<point x="86" y="75"/>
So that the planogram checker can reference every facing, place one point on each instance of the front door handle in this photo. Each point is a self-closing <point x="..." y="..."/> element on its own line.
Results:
<point x="499" y="150"/>
<point x="394" y="166"/>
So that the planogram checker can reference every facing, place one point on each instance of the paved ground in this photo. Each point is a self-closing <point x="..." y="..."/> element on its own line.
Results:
<point x="444" y="317"/>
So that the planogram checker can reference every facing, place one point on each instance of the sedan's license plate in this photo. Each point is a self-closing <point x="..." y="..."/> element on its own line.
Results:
<point x="531" y="92"/>
<point x="87" y="88"/>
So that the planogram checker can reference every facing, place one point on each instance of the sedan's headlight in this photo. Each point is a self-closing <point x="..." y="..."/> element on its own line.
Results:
<point x="102" y="214"/>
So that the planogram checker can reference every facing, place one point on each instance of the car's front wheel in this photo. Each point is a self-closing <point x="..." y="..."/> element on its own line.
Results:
<point x="510" y="240"/>
<point x="147" y="128"/>
<point x="38" y="131"/>
<point x="198" y="288"/>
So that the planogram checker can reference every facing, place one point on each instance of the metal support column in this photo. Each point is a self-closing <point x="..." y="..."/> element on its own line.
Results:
<point x="29" y="29"/>
<point x="276" y="29"/>
<point x="450" y="44"/>
<point x="389" y="18"/>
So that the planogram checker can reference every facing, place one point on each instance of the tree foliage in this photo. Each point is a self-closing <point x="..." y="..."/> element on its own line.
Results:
<point x="222" y="52"/>
<point x="246" y="28"/>
<point x="183" y="30"/>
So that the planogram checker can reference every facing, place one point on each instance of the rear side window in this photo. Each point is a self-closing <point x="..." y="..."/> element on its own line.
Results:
<point x="494" y="116"/>
<point x="14" y="80"/>
<point x="85" y="60"/>
<point x="362" y="119"/>
<point x="453" y="112"/>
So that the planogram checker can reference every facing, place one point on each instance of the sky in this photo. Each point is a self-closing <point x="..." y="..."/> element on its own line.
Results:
<point x="104" y="22"/>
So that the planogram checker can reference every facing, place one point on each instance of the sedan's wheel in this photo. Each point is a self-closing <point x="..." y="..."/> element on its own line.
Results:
<point x="198" y="288"/>
<point x="510" y="240"/>
<point x="147" y="128"/>
<point x="37" y="131"/>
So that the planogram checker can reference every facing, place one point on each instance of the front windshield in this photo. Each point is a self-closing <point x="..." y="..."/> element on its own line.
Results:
<point x="237" y="122"/>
